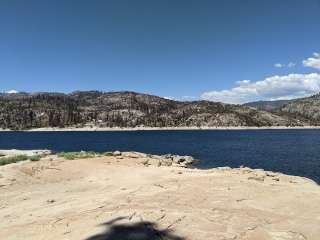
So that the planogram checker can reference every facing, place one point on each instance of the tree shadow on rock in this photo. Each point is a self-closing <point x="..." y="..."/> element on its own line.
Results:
<point x="143" y="230"/>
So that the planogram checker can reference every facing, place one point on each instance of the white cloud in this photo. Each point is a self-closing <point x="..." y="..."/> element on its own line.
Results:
<point x="272" y="88"/>
<point x="278" y="65"/>
<point x="243" y="82"/>
<point x="12" y="91"/>
<point x="289" y="65"/>
<point x="169" y="98"/>
<point x="313" y="62"/>
<point x="183" y="98"/>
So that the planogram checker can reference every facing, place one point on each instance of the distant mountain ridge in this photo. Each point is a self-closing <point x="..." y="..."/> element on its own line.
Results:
<point x="305" y="110"/>
<point x="267" y="105"/>
<point x="126" y="109"/>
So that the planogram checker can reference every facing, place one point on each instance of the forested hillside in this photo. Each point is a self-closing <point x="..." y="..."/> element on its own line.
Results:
<point x="125" y="109"/>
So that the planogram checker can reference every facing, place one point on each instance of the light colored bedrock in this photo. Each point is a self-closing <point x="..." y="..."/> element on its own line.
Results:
<point x="90" y="199"/>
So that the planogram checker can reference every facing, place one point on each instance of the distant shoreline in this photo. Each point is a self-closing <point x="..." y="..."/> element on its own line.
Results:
<point x="89" y="129"/>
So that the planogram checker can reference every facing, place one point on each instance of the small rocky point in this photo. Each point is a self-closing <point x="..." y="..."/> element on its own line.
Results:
<point x="158" y="160"/>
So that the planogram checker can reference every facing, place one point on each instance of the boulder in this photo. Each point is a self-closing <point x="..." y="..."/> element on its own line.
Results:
<point x="157" y="160"/>
<point x="134" y="155"/>
<point x="165" y="162"/>
<point x="116" y="153"/>
<point x="151" y="162"/>
<point x="224" y="168"/>
<point x="176" y="160"/>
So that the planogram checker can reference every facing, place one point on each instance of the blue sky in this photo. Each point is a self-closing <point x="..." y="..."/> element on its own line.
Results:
<point x="182" y="49"/>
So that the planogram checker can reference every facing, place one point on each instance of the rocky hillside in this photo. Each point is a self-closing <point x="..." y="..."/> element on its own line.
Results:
<point x="267" y="105"/>
<point x="305" y="109"/>
<point x="125" y="109"/>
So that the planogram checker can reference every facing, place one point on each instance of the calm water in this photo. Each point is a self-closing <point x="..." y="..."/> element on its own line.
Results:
<point x="295" y="152"/>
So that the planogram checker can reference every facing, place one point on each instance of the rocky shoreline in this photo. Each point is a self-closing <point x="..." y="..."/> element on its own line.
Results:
<point x="86" y="129"/>
<point x="155" y="160"/>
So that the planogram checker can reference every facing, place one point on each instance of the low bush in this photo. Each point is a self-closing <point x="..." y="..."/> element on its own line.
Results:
<point x="18" y="158"/>
<point x="83" y="154"/>
<point x="35" y="158"/>
<point x="78" y="155"/>
<point x="109" y="154"/>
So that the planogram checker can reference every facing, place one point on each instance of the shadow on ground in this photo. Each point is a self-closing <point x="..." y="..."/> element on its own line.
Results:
<point x="137" y="231"/>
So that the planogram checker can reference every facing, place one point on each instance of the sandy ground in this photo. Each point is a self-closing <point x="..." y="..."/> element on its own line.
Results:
<point x="115" y="198"/>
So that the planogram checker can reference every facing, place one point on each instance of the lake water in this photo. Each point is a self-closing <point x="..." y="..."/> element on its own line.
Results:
<point x="295" y="152"/>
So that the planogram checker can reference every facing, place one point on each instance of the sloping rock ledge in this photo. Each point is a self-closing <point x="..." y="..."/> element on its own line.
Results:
<point x="133" y="195"/>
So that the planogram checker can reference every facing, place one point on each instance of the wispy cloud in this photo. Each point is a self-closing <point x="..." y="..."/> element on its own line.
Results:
<point x="291" y="64"/>
<point x="12" y="91"/>
<point x="313" y="62"/>
<point x="287" y="65"/>
<point x="188" y="98"/>
<point x="183" y="98"/>
<point x="272" y="88"/>
<point x="169" y="98"/>
<point x="278" y="65"/>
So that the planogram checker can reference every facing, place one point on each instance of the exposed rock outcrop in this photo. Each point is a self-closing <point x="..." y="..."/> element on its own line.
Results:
<point x="158" y="160"/>
<point x="305" y="109"/>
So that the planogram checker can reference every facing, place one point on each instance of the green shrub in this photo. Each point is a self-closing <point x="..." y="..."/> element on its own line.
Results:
<point x="13" y="159"/>
<point x="19" y="158"/>
<point x="109" y="154"/>
<point x="67" y="155"/>
<point x="35" y="158"/>
<point x="78" y="155"/>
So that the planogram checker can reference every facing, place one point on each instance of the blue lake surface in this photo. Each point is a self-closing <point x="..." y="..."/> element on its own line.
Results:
<point x="295" y="152"/>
